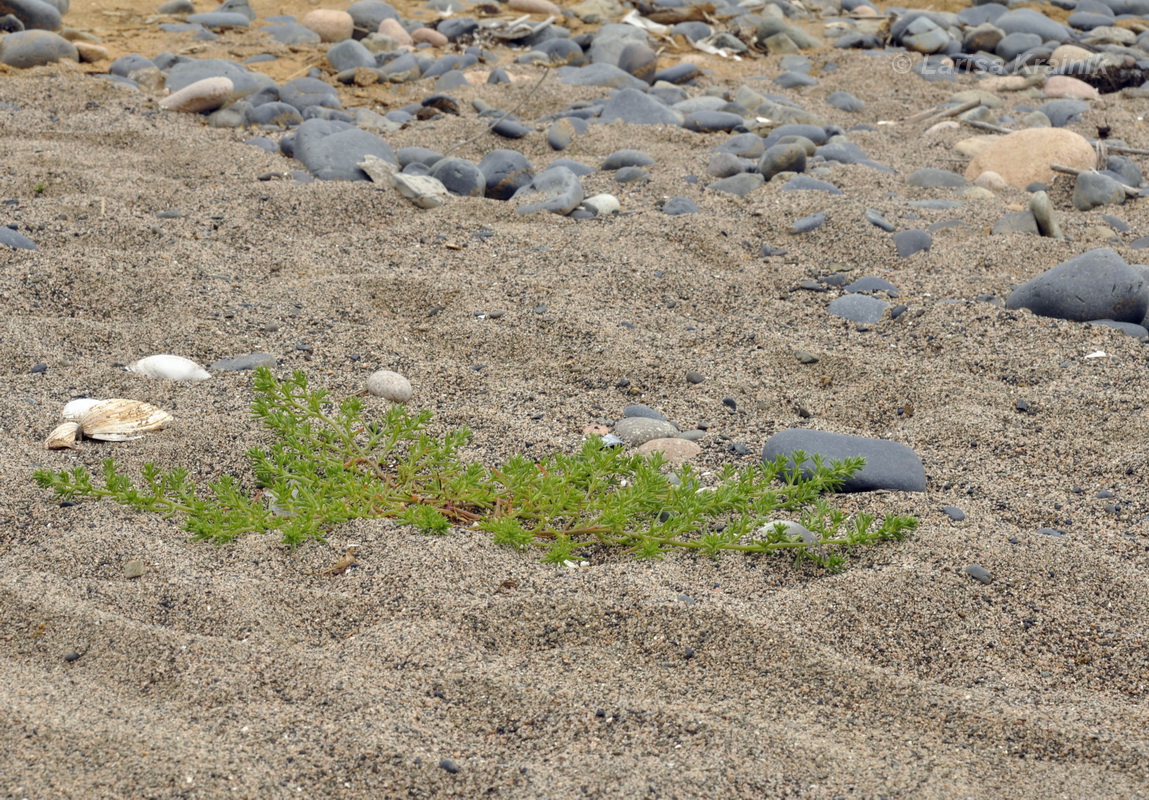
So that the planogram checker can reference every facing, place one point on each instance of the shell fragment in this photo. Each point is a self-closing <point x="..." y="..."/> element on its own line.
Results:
<point x="169" y="368"/>
<point x="64" y="437"/>
<point x="76" y="409"/>
<point x="119" y="420"/>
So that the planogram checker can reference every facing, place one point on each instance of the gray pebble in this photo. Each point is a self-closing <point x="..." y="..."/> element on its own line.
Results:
<point x="889" y="465"/>
<point x="35" y="48"/>
<point x="874" y="217"/>
<point x="844" y="101"/>
<point x="931" y="178"/>
<point x="638" y="108"/>
<point x="14" y="240"/>
<point x="809" y="223"/>
<point x="676" y="206"/>
<point x="912" y="241"/>
<point x="871" y="284"/>
<point x="695" y="377"/>
<point x="557" y="190"/>
<point x="332" y="150"/>
<point x="712" y="121"/>
<point x="461" y="177"/>
<point x="740" y="185"/>
<point x="505" y="172"/>
<point x="640" y="430"/>
<point x="954" y="513"/>
<point x="979" y="573"/>
<point x="1093" y="189"/>
<point x="1097" y="284"/>
<point x="626" y="158"/>
<point x="782" y="158"/>
<point x="638" y="410"/>
<point x="859" y="308"/>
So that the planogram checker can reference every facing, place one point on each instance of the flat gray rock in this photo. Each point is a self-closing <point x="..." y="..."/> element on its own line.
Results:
<point x="640" y="430"/>
<point x="859" y="308"/>
<point x="638" y="108"/>
<point x="33" y="14"/>
<point x="676" y="206"/>
<point x="332" y="150"/>
<point x="889" y="465"/>
<point x="505" y="171"/>
<point x="462" y="178"/>
<point x="912" y="241"/>
<point x="596" y="75"/>
<point x="35" y="48"/>
<point x="1093" y="189"/>
<point x="17" y="241"/>
<point x="1097" y="284"/>
<point x="932" y="178"/>
<point x="782" y="158"/>
<point x="557" y="190"/>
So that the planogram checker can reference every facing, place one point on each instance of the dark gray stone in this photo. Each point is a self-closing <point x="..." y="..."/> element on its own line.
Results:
<point x="791" y="80"/>
<point x="931" y="178"/>
<point x="1013" y="45"/>
<point x="35" y="48"/>
<point x="332" y="150"/>
<point x="1093" y="189"/>
<point x="637" y="108"/>
<point x="557" y="190"/>
<point x="510" y="129"/>
<point x="743" y="145"/>
<point x="1026" y="20"/>
<point x="349" y="54"/>
<point x="639" y="60"/>
<point x="712" y="121"/>
<point x="219" y="19"/>
<point x="740" y="185"/>
<point x="912" y="241"/>
<point x="626" y="158"/>
<point x="598" y="75"/>
<point x="874" y="217"/>
<point x="461" y="177"/>
<point x="859" y="308"/>
<point x="889" y="465"/>
<point x="33" y="14"/>
<point x="306" y="92"/>
<point x="782" y="158"/>
<point x="367" y="14"/>
<point x="954" y="513"/>
<point x="844" y="101"/>
<point x="455" y="28"/>
<point x="979" y="573"/>
<point x="14" y="240"/>
<point x="644" y="412"/>
<point x="869" y="283"/>
<point x="809" y="223"/>
<point x="677" y="206"/>
<point x="1061" y="112"/>
<point x="279" y="115"/>
<point x="1128" y="328"/>
<point x="291" y="33"/>
<point x="1097" y="284"/>
<point x="1021" y="222"/>
<point x="505" y="172"/>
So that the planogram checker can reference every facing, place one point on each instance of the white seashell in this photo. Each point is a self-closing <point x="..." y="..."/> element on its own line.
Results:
<point x="390" y="386"/>
<point x="169" y="368"/>
<point x="63" y="437"/>
<point x="75" y="410"/>
<point x="119" y="420"/>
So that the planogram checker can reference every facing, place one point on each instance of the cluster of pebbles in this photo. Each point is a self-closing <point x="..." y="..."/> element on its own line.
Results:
<point x="1037" y="76"/>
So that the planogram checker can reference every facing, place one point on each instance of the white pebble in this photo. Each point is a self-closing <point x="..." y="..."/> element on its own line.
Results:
<point x="390" y="386"/>
<point x="206" y="95"/>
<point x="169" y="368"/>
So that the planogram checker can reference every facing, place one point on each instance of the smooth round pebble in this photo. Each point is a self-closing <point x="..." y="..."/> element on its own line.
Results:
<point x="390" y="386"/>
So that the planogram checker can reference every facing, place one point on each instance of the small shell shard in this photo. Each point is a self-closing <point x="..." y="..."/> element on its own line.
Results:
<point x="64" y="437"/>
<point x="120" y="420"/>
<point x="169" y="368"/>
<point x="76" y="409"/>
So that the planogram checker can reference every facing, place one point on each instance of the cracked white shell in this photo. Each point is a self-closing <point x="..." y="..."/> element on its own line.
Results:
<point x="64" y="437"/>
<point x="75" y="410"/>
<point x="119" y="420"/>
<point x="169" y="368"/>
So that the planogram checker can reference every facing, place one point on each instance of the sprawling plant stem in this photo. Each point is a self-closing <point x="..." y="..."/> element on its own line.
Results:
<point x="327" y="465"/>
